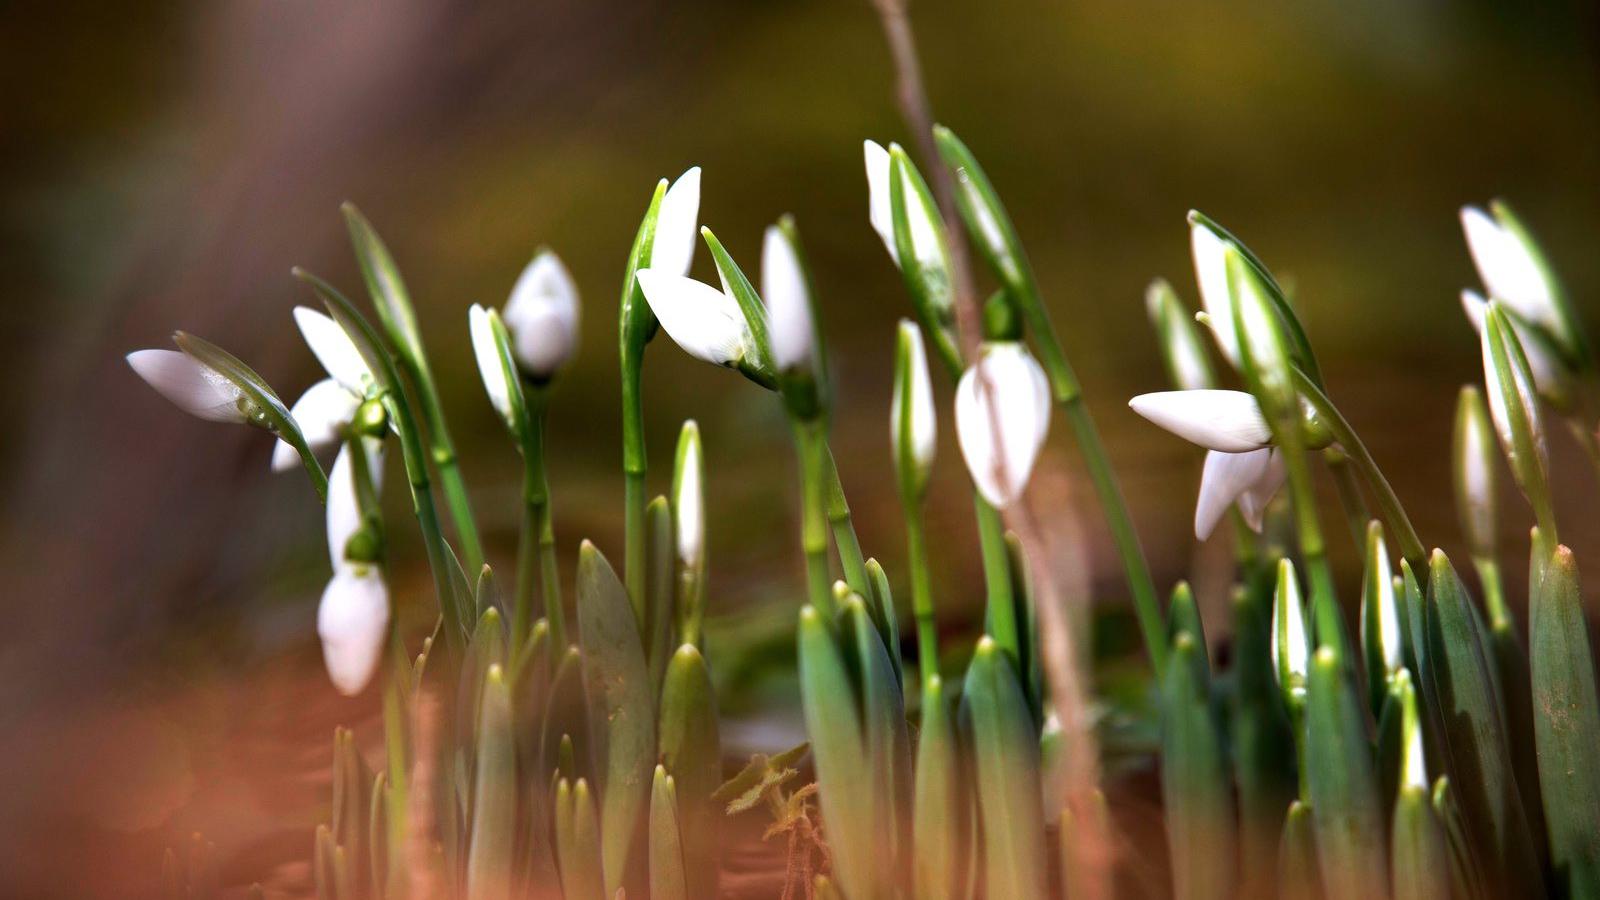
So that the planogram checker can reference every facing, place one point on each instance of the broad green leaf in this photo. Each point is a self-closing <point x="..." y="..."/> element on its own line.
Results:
<point x="884" y="617"/>
<point x="668" y="877"/>
<point x="1298" y="866"/>
<point x="887" y="744"/>
<point x="844" y="776"/>
<point x="1025" y="613"/>
<point x="659" y="616"/>
<point x="1196" y="799"/>
<point x="1342" y="787"/>
<point x="760" y="370"/>
<point x="1566" y="724"/>
<point x="1263" y="749"/>
<point x="691" y="747"/>
<point x="578" y="842"/>
<point x="617" y="680"/>
<point x="1514" y="409"/>
<point x="1466" y="866"/>
<point x="1419" y="867"/>
<point x="494" y="805"/>
<point x="383" y="280"/>
<point x="939" y="824"/>
<point x="1006" y="766"/>
<point x="1183" y="617"/>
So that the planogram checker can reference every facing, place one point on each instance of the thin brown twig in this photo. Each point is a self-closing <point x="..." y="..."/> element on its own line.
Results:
<point x="1092" y="849"/>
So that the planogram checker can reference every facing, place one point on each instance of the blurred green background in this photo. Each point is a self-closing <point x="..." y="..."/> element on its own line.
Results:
<point x="164" y="164"/>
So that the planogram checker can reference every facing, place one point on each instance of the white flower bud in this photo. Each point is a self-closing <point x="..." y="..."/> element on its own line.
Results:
<point x="913" y="422"/>
<point x="788" y="299"/>
<point x="1509" y="269"/>
<point x="688" y="498"/>
<point x="1211" y="272"/>
<point x="352" y="621"/>
<point x="1002" y="418"/>
<point x="542" y="316"/>
<point x="1291" y="646"/>
<point x="491" y="365"/>
<point x="927" y="230"/>
<point x="191" y="385"/>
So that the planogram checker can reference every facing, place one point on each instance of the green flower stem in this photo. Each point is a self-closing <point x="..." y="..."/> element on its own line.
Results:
<point x="398" y="764"/>
<point x="1494" y="591"/>
<point x="633" y="471"/>
<point x="427" y="517"/>
<point x="1348" y="483"/>
<point x="812" y="442"/>
<point x="844" y="530"/>
<point x="1137" y="569"/>
<point x="1329" y="625"/>
<point x="1394" y="515"/>
<point x="1002" y="610"/>
<point x="921" y="592"/>
<point x="443" y="453"/>
<point x="536" y="547"/>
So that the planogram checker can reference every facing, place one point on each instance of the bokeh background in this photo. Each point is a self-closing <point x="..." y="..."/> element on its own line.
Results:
<point x="163" y="164"/>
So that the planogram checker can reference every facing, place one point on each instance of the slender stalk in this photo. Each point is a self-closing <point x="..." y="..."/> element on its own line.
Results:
<point x="536" y="550"/>
<point x="1348" y="484"/>
<point x="1494" y="591"/>
<point x="1394" y="515"/>
<point x="811" y="441"/>
<point x="921" y="592"/>
<point x="1324" y="603"/>
<point x="438" y="551"/>
<point x="633" y="472"/>
<point x="844" y="529"/>
<point x="1002" y="609"/>
<point x="1145" y="604"/>
<point x="443" y="453"/>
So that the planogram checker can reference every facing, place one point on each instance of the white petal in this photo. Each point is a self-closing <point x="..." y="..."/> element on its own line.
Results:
<point x="927" y="240"/>
<point x="1211" y="272"/>
<point x="1223" y="481"/>
<point x="677" y="225"/>
<point x="1002" y="417"/>
<point x="320" y="413"/>
<point x="704" y="321"/>
<point x="352" y="621"/>
<point x="1508" y="268"/>
<point x="334" y="349"/>
<point x="880" y="211"/>
<point x="689" y="504"/>
<point x="924" y="419"/>
<point x="486" y="350"/>
<point x="542" y="316"/>
<point x="343" y="511"/>
<point x="1253" y="502"/>
<point x="783" y="287"/>
<point x="1388" y="613"/>
<point x="195" y="388"/>
<point x="1229" y="421"/>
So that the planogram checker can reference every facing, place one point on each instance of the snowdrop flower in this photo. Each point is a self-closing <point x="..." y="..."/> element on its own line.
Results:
<point x="1209" y="250"/>
<point x="352" y="620"/>
<point x="1475" y="456"/>
<point x="1514" y="410"/>
<point x="1248" y="480"/>
<point x="327" y="408"/>
<point x="913" y="425"/>
<point x="490" y="347"/>
<point x="354" y="613"/>
<point x="788" y="299"/>
<point x="1510" y="268"/>
<point x="705" y="322"/>
<point x="1380" y="607"/>
<point x="1002" y="418"/>
<point x="1291" y="646"/>
<point x="1227" y="421"/>
<point x="1181" y="348"/>
<point x="192" y="386"/>
<point x="1550" y="374"/>
<point x="688" y="498"/>
<point x="927" y="234"/>
<point x="542" y="314"/>
<point x="672" y="250"/>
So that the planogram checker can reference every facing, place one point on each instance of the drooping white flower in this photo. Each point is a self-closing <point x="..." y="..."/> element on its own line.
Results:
<point x="491" y="367"/>
<point x="320" y="412"/>
<point x="1509" y="269"/>
<point x="352" y="620"/>
<point x="677" y="228"/>
<point x="688" y="498"/>
<point x="912" y="413"/>
<point x="542" y="316"/>
<point x="343" y="513"/>
<point x="1211" y="272"/>
<point x="1248" y="479"/>
<point x="191" y="385"/>
<point x="1002" y="418"/>
<point x="1291" y="646"/>
<point x="927" y="242"/>
<point x="334" y="349"/>
<point x="1550" y="374"/>
<point x="705" y="322"/>
<point x="788" y="299"/>
<point x="1229" y="421"/>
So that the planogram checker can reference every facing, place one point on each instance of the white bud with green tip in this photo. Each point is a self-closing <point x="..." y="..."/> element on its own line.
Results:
<point x="705" y="322"/>
<point x="1209" y="250"/>
<point x="1291" y="644"/>
<point x="1002" y="418"/>
<point x="913" y="423"/>
<point x="1181" y="348"/>
<point x="1551" y="374"/>
<point x="1263" y="346"/>
<point x="1511" y="269"/>
<point x="788" y="298"/>
<point x="1475" y="461"/>
<point x="192" y="386"/>
<point x="1514" y="409"/>
<point x="922" y="215"/>
<point x="1227" y="421"/>
<point x="688" y="498"/>
<point x="542" y="316"/>
<point x="491" y="352"/>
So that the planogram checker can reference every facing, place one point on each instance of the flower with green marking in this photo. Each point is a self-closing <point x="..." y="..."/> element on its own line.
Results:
<point x="1512" y="268"/>
<point x="192" y="386"/>
<point x="1002" y="418"/>
<point x="706" y="322"/>
<point x="913" y="423"/>
<point x="328" y="408"/>
<point x="788" y="299"/>
<point x="542" y="312"/>
<point x="1291" y="644"/>
<point x="353" y="615"/>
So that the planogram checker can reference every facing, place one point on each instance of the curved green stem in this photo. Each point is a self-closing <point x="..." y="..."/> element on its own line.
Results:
<point x="811" y="442"/>
<point x="439" y="557"/>
<point x="921" y="592"/>
<point x="844" y="530"/>
<point x="536" y="546"/>
<point x="1329" y="623"/>
<point x="1134" y="565"/>
<point x="1001" y="614"/>
<point x="1349" y="487"/>
<point x="633" y="471"/>
<point x="1394" y="515"/>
